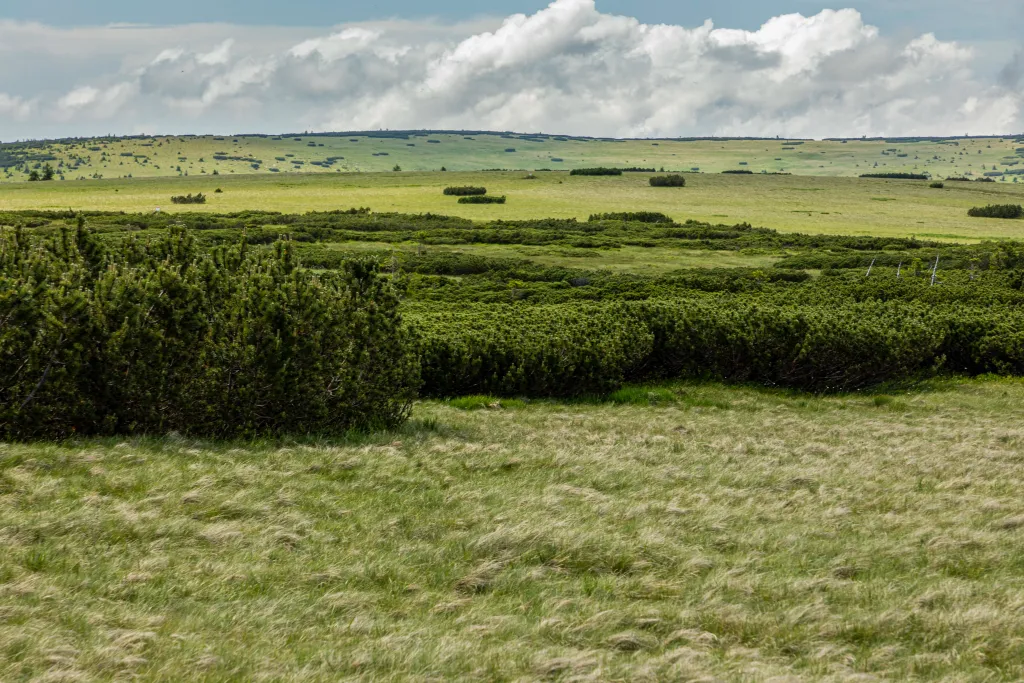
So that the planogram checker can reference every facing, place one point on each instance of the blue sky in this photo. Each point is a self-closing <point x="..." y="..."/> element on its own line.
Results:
<point x="800" y="68"/>
<point x="973" y="20"/>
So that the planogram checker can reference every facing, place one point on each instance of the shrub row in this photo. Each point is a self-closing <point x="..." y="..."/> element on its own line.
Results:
<point x="530" y="351"/>
<point x="997" y="211"/>
<point x="674" y="180"/>
<point x="482" y="199"/>
<point x="571" y="349"/>
<point x="155" y="337"/>
<point x="896" y="176"/>
<point x="632" y="216"/>
<point x="596" y="171"/>
<point x="466" y="191"/>
<point x="190" y="198"/>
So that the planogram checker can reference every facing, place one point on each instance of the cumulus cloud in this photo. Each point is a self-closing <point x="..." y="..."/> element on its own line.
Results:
<point x="568" y="68"/>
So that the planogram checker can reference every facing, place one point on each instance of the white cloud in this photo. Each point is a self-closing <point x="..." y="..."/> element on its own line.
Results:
<point x="566" y="69"/>
<point x="14" y="107"/>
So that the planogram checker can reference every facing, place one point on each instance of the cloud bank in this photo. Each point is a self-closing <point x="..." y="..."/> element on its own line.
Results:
<point x="566" y="69"/>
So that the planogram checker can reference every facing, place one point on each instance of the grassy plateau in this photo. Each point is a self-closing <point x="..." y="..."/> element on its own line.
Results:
<point x="420" y="151"/>
<point x="678" y="532"/>
<point x="845" y="206"/>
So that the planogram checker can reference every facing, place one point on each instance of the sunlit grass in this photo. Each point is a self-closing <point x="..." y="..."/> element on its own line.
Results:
<point x="676" y="532"/>
<point x="786" y="203"/>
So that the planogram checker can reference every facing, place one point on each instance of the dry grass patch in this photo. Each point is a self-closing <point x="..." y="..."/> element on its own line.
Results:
<point x="774" y="535"/>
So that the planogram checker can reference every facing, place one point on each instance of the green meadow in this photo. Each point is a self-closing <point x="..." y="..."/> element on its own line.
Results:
<point x="728" y="522"/>
<point x="808" y="204"/>
<point x="140" y="157"/>
<point x="679" y="532"/>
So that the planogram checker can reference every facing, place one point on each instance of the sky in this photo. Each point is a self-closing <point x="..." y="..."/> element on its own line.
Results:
<point x="646" y="68"/>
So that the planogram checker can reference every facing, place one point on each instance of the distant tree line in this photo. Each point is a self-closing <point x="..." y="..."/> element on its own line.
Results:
<point x="465" y="191"/>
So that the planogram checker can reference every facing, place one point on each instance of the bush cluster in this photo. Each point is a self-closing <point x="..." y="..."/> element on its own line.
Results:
<point x="190" y="198"/>
<point x="632" y="216"/>
<point x="997" y="211"/>
<point x="529" y="351"/>
<point x="165" y="336"/>
<point x="674" y="180"/>
<point x="558" y="350"/>
<point x="596" y="171"/>
<point x="896" y="176"/>
<point x="740" y="171"/>
<point x="467" y="191"/>
<point x="482" y="199"/>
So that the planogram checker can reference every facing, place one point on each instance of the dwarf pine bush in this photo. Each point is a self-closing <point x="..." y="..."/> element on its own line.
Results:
<point x="161" y="336"/>
<point x="997" y="211"/>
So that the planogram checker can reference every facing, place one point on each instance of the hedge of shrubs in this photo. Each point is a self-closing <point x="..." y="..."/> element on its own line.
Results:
<point x="674" y="180"/>
<point x="164" y="336"/>
<point x="997" y="211"/>
<point x="739" y="171"/>
<point x="587" y="348"/>
<point x="467" y="191"/>
<point x="528" y="351"/>
<point x="190" y="198"/>
<point x="632" y="217"/>
<point x="596" y="171"/>
<point x="896" y="176"/>
<point x="482" y="199"/>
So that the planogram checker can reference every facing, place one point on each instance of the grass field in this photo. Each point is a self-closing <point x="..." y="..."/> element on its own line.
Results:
<point x="678" y="531"/>
<point x="683" y="532"/>
<point x="787" y="203"/>
<point x="174" y="156"/>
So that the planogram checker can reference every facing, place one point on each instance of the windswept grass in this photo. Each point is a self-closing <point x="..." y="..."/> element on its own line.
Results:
<point x="777" y="535"/>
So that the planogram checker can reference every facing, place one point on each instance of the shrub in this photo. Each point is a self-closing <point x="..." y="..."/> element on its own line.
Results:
<point x="674" y="180"/>
<point x="937" y="186"/>
<point x="896" y="176"/>
<point x="198" y="198"/>
<point x="466" y="191"/>
<point x="808" y="347"/>
<point x="635" y="216"/>
<point x="741" y="171"/>
<point x="997" y="211"/>
<point x="481" y="199"/>
<point x="150" y="338"/>
<point x="596" y="171"/>
<point x="510" y="350"/>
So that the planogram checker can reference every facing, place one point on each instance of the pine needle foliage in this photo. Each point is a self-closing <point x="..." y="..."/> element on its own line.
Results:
<point x="164" y="336"/>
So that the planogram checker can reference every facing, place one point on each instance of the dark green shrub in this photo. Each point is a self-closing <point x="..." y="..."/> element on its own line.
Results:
<point x="741" y="171"/>
<point x="198" y="198"/>
<point x="815" y="348"/>
<point x="997" y="211"/>
<point x="466" y="191"/>
<point x="674" y="180"/>
<point x="481" y="199"/>
<point x="510" y="350"/>
<point x="596" y="171"/>
<point x="633" y="216"/>
<point x="896" y="176"/>
<point x="158" y="337"/>
<point x="937" y="186"/>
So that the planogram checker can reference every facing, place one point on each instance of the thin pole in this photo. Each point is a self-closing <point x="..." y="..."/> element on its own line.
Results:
<point x="898" y="269"/>
<point x="871" y="266"/>
<point x="935" y="270"/>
